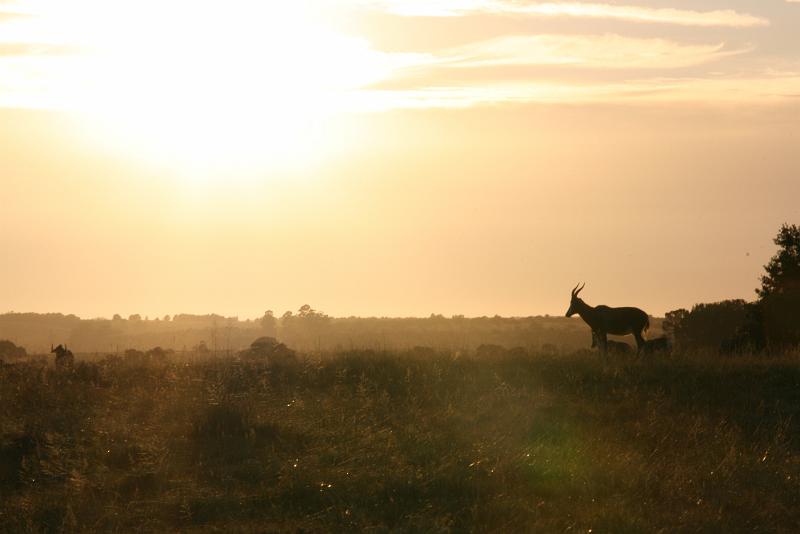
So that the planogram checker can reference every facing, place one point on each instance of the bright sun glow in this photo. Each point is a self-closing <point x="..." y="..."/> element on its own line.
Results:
<point x="206" y="86"/>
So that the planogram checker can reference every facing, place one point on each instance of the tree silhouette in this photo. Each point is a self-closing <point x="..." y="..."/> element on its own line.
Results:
<point x="783" y="270"/>
<point x="269" y="323"/>
<point x="304" y="329"/>
<point x="780" y="291"/>
<point x="673" y="322"/>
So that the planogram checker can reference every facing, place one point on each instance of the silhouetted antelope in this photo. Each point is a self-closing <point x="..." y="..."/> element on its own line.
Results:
<point x="614" y="347"/>
<point x="64" y="357"/>
<point x="604" y="320"/>
<point x="659" y="344"/>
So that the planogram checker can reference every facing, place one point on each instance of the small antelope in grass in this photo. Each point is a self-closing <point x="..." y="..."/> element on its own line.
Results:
<point x="613" y="347"/>
<point x="659" y="344"/>
<point x="64" y="357"/>
<point x="604" y="320"/>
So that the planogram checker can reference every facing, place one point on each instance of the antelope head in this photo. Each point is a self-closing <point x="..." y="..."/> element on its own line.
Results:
<point x="575" y="302"/>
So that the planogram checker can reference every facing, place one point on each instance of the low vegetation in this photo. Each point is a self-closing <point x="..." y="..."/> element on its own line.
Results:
<point x="505" y="441"/>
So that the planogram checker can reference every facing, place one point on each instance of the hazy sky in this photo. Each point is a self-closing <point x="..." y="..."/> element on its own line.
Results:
<point x="390" y="157"/>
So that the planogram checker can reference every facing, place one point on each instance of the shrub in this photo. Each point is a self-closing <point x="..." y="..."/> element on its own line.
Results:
<point x="9" y="351"/>
<point x="270" y="351"/>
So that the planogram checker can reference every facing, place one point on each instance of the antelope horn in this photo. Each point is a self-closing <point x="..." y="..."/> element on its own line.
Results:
<point x="580" y="289"/>
<point x="574" y="288"/>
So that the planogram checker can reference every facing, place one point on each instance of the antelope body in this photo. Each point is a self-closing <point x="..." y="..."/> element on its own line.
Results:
<point x="604" y="320"/>
<point x="613" y="347"/>
<point x="64" y="357"/>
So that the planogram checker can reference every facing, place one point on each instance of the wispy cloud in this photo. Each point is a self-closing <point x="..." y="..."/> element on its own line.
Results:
<point x="458" y="8"/>
<point x="48" y="58"/>
<point x="35" y="49"/>
<point x="736" y="90"/>
<point x="600" y="51"/>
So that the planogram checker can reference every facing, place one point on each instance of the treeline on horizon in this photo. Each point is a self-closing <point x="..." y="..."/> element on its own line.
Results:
<point x="770" y="323"/>
<point x="306" y="330"/>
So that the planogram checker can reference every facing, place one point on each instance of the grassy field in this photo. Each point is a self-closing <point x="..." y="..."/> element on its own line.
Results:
<point x="404" y="442"/>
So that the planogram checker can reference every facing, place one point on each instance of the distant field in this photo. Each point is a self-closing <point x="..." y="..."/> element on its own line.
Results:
<point x="402" y="442"/>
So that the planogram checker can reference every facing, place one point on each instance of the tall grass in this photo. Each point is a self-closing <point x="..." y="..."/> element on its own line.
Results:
<point x="364" y="441"/>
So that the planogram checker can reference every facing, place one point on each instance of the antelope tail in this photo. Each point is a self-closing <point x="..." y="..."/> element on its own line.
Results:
<point x="647" y="324"/>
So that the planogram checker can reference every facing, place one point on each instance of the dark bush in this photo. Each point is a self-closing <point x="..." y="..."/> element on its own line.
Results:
<point x="706" y="326"/>
<point x="10" y="352"/>
<point x="490" y="351"/>
<point x="13" y="450"/>
<point x="135" y="357"/>
<point x="221" y="422"/>
<point x="269" y="350"/>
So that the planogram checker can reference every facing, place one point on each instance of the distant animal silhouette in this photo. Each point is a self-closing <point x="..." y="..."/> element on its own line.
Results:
<point x="64" y="357"/>
<point x="613" y="347"/>
<point x="659" y="344"/>
<point x="604" y="320"/>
